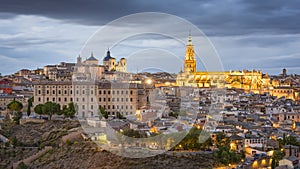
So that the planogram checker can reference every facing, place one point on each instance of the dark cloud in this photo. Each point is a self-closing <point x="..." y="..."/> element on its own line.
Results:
<point x="7" y="15"/>
<point x="247" y="33"/>
<point x="214" y="17"/>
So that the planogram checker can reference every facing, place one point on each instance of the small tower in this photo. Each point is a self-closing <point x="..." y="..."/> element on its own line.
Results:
<point x="79" y="60"/>
<point x="284" y="72"/>
<point x="190" y="60"/>
<point x="109" y="62"/>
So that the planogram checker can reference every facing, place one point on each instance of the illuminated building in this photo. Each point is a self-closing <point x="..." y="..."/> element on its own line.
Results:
<point x="250" y="81"/>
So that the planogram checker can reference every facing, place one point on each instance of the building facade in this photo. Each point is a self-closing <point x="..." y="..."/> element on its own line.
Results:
<point x="124" y="98"/>
<point x="250" y="81"/>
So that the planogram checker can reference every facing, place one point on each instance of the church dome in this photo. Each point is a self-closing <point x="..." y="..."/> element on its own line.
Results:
<point x="92" y="58"/>
<point x="107" y="57"/>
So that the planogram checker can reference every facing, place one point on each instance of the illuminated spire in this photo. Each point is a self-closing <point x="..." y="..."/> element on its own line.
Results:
<point x="190" y="59"/>
<point x="190" y="38"/>
<point x="189" y="54"/>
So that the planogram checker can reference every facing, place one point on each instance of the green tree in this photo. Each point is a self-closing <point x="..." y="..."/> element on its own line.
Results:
<point x="50" y="109"/>
<point x="29" y="105"/>
<point x="191" y="141"/>
<point x="225" y="156"/>
<point x="38" y="109"/>
<point x="72" y="110"/>
<point x="133" y="133"/>
<point x="103" y="112"/>
<point x="68" y="111"/>
<point x="22" y="165"/>
<point x="14" y="141"/>
<point x="120" y="116"/>
<point x="173" y="114"/>
<point x="63" y="111"/>
<point x="221" y="140"/>
<point x="17" y="117"/>
<point x="277" y="156"/>
<point x="289" y="140"/>
<point x="15" y="106"/>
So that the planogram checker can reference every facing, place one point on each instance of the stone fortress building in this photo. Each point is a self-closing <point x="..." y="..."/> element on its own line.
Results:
<point x="95" y="85"/>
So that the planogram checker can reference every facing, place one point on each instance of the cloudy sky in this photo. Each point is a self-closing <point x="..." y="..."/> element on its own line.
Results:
<point x="246" y="34"/>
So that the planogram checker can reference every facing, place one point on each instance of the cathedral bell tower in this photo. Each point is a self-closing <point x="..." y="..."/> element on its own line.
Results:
<point x="190" y="59"/>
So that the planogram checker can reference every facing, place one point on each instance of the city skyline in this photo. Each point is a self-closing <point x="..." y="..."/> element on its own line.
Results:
<point x="247" y="35"/>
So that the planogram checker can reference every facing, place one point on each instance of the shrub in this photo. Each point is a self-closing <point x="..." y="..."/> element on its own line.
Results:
<point x="69" y="142"/>
<point x="22" y="166"/>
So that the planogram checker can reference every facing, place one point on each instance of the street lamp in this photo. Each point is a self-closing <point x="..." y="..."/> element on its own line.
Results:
<point x="149" y="81"/>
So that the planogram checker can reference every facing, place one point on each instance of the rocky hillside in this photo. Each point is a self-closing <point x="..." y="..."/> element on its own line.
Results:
<point x="85" y="155"/>
<point x="82" y="154"/>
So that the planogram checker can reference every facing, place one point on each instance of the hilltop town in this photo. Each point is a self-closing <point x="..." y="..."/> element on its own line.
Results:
<point x="238" y="119"/>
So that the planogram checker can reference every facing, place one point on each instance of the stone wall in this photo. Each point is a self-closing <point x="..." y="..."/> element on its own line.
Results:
<point x="32" y="120"/>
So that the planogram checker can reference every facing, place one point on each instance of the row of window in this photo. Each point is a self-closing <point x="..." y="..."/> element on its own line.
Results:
<point x="110" y="113"/>
<point x="59" y="99"/>
<point x="292" y="117"/>
<point x="59" y="86"/>
<point x="115" y="92"/>
<point x="108" y="99"/>
<point x="283" y="91"/>
<point x="53" y="92"/>
<point x="255" y="141"/>
<point x="83" y="92"/>
<point x="126" y="107"/>
<point x="115" y="113"/>
<point x="115" y="99"/>
<point x="92" y="99"/>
